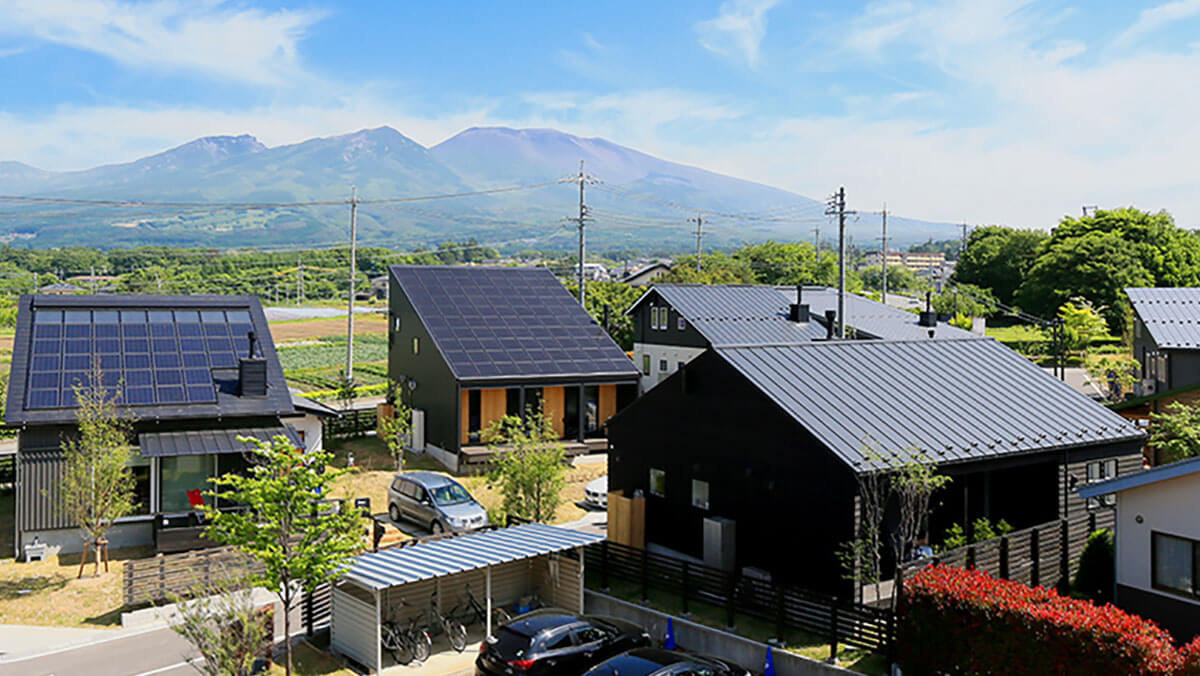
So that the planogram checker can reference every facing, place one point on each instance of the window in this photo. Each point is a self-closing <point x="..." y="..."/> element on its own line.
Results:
<point x="140" y="468"/>
<point x="396" y="323"/>
<point x="1173" y="563"/>
<point x="653" y="317"/>
<point x="681" y="323"/>
<point x="679" y="366"/>
<point x="658" y="482"/>
<point x="645" y="364"/>
<point x="1102" y="470"/>
<point x="662" y="364"/>
<point x="180" y="474"/>
<point x="558" y="642"/>
<point x="416" y="345"/>
<point x="1137" y="328"/>
<point x="699" y="494"/>
<point x="585" y="635"/>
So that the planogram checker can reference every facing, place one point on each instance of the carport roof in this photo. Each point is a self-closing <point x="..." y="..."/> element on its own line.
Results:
<point x="470" y="551"/>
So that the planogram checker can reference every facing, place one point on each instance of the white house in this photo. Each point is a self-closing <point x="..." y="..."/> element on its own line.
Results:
<point x="1157" y="543"/>
<point x="309" y="421"/>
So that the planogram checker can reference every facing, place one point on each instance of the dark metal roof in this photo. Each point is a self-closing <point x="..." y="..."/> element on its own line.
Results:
<point x="1171" y="315"/>
<point x="736" y="314"/>
<point x="1172" y="470"/>
<point x="306" y="405"/>
<point x="958" y="400"/>
<point x="205" y="442"/>
<point x="503" y="323"/>
<point x="181" y="389"/>
<point x="874" y="319"/>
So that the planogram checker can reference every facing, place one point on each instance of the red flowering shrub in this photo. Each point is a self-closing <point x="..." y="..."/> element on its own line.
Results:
<point x="967" y="622"/>
<point x="1190" y="655"/>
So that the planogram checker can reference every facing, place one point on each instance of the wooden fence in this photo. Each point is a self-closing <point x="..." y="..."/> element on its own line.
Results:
<point x="352" y="423"/>
<point x="160" y="578"/>
<point x="787" y="607"/>
<point x="1041" y="555"/>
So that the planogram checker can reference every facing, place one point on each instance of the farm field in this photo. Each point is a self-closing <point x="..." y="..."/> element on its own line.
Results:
<point x="311" y="329"/>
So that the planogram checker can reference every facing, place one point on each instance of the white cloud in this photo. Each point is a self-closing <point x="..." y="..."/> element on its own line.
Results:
<point x="737" y="30"/>
<point x="1150" y="20"/>
<point x="211" y="37"/>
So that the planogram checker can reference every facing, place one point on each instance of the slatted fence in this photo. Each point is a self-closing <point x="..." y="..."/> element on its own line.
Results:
<point x="160" y="578"/>
<point x="352" y="423"/>
<point x="788" y="607"/>
<point x="316" y="608"/>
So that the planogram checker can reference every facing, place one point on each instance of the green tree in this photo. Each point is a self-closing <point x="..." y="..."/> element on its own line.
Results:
<point x="1115" y="373"/>
<point x="394" y="431"/>
<point x="715" y="268"/>
<point x="1082" y="325"/>
<point x="618" y="298"/>
<point x="790" y="263"/>
<point x="1097" y="570"/>
<point x="965" y="299"/>
<point x="531" y="468"/>
<point x="998" y="258"/>
<point x="223" y="624"/>
<point x="97" y="486"/>
<point x="347" y="390"/>
<point x="900" y="278"/>
<point x="300" y="545"/>
<point x="1175" y="433"/>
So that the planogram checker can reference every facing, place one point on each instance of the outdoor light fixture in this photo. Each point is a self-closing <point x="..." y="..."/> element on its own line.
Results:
<point x="1138" y="518"/>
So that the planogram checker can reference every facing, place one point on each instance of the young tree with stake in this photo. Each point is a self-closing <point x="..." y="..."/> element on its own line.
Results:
<point x="300" y="545"/>
<point x="531" y="467"/>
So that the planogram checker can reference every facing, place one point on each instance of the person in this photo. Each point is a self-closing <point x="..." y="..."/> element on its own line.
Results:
<point x="923" y="550"/>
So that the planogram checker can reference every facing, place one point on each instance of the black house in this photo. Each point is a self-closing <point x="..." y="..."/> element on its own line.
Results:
<point x="180" y="366"/>
<point x="674" y="323"/>
<point x="1166" y="337"/>
<point x="772" y="437"/>
<point x="473" y="344"/>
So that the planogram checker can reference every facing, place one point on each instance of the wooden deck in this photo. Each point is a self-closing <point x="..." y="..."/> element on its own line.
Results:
<point x="482" y="455"/>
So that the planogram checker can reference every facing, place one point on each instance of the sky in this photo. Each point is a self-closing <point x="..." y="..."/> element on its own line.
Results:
<point x="1014" y="112"/>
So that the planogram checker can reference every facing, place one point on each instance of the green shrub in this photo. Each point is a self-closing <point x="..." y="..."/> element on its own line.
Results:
<point x="1095" y="576"/>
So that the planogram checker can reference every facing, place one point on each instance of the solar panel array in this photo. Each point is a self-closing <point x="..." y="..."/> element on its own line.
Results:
<point x="147" y="356"/>
<point x="493" y="322"/>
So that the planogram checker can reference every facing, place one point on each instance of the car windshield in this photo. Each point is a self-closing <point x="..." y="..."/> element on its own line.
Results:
<point x="450" y="494"/>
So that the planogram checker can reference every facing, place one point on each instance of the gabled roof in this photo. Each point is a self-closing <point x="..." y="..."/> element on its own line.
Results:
<point x="644" y="270"/>
<point x="958" y="400"/>
<point x="1171" y="470"/>
<point x="169" y="357"/>
<point x="1171" y="315"/>
<point x="874" y="319"/>
<point x="735" y="314"/>
<point x="306" y="405"/>
<point x="509" y="323"/>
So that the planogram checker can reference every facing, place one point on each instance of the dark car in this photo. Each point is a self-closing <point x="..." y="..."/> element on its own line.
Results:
<point x="659" y="662"/>
<point x="552" y="641"/>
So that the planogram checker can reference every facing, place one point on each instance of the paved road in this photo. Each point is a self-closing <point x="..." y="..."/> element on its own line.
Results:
<point x="140" y="653"/>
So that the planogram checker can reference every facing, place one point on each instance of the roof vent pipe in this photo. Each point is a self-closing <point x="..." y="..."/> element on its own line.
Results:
<point x="928" y="317"/>
<point x="798" y="312"/>
<point x="830" y="323"/>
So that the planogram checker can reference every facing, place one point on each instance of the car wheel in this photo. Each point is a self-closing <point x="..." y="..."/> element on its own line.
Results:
<point x="394" y="512"/>
<point x="436" y="528"/>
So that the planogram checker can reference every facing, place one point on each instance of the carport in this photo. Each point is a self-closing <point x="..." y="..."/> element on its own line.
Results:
<point x="500" y="566"/>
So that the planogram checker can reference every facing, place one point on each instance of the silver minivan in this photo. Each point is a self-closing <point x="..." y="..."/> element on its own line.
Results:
<point x="434" y="501"/>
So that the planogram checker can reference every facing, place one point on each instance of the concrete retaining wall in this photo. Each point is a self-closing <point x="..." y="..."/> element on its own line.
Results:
<point x="704" y="639"/>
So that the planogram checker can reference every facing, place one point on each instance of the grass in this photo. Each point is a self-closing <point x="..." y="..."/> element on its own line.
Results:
<point x="795" y="641"/>
<point x="308" y="660"/>
<point x="47" y="593"/>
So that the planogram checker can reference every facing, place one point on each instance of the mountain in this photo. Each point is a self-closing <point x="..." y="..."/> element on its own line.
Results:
<point x="642" y="202"/>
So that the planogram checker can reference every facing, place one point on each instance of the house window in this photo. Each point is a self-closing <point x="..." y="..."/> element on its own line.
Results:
<point x="1173" y="563"/>
<point x="658" y="482"/>
<point x="699" y="494"/>
<point x="653" y="317"/>
<point x="678" y="366"/>
<point x="1102" y="470"/>
<point x="140" y="468"/>
<point x="416" y="345"/>
<point x="180" y="474"/>
<point x="396" y="323"/>
<point x="662" y="364"/>
<point x="645" y="364"/>
<point x="681" y="323"/>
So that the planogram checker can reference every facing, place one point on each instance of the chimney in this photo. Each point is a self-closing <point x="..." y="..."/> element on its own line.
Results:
<point x="252" y="373"/>
<point x="928" y="317"/>
<point x="830" y="323"/>
<point x="798" y="312"/>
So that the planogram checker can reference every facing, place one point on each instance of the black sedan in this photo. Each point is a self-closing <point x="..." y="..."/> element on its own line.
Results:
<point x="552" y="641"/>
<point x="659" y="662"/>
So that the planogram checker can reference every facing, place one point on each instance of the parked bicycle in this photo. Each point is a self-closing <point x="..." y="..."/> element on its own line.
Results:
<point x="456" y="633"/>
<point x="500" y="616"/>
<point x="405" y="644"/>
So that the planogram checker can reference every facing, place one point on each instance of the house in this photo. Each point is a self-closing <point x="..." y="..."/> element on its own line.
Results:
<point x="473" y="344"/>
<point x="646" y="275"/>
<point x="1157" y="543"/>
<point x="674" y="323"/>
<point x="309" y="421"/>
<point x="1166" y="337"/>
<point x="917" y="261"/>
<point x="183" y="372"/>
<point x="764" y="443"/>
<point x="592" y="272"/>
<point x="379" y="287"/>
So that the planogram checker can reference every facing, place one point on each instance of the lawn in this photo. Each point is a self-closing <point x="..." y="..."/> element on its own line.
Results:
<point x="47" y="592"/>
<point x="310" y="661"/>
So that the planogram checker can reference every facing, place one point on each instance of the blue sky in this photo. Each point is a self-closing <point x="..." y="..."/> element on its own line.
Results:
<point x="988" y="111"/>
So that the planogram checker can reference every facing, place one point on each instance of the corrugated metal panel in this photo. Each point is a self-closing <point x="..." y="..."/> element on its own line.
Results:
<point x="958" y="400"/>
<point x="1171" y="315"/>
<point x="204" y="442"/>
<point x="39" y="476"/>
<point x="739" y="314"/>
<point x="353" y="630"/>
<point x="426" y="560"/>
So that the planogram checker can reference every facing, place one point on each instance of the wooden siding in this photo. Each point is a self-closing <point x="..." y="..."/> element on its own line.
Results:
<point x="39" y="476"/>
<point x="608" y="402"/>
<point x="554" y="404"/>
<point x="464" y="423"/>
<point x="1075" y="505"/>
<point x="353" y="630"/>
<point x="493" y="405"/>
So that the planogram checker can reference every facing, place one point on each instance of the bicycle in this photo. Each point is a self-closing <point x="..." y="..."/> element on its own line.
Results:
<point x="456" y="633"/>
<point x="408" y="643"/>
<point x="500" y="616"/>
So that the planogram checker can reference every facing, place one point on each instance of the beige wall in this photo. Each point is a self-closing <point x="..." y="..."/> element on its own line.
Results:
<point x="554" y="402"/>
<point x="1169" y="507"/>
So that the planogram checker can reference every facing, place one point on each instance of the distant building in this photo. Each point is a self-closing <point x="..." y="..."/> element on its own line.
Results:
<point x="61" y="288"/>
<point x="592" y="272"/>
<point x="913" y="260"/>
<point x="646" y="274"/>
<point x="379" y="287"/>
<point x="1166" y="337"/>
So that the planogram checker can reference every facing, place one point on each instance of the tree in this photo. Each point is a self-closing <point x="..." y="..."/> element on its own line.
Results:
<point x="915" y="479"/>
<point x="950" y="247"/>
<point x="300" y="545"/>
<point x="964" y="299"/>
<point x="394" y="431"/>
<point x="347" y="390"/>
<point x="900" y="278"/>
<point x="531" y="467"/>
<point x="97" y="485"/>
<point x="998" y="258"/>
<point x="224" y="626"/>
<point x="1175" y="434"/>
<point x="715" y="268"/>
<point x="1082" y="325"/>
<point x="862" y="558"/>
<point x="618" y="298"/>
<point x="1097" y="567"/>
<point x="1117" y="373"/>
<point x="791" y="263"/>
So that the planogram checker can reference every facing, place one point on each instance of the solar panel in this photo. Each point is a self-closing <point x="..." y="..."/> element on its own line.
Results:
<point x="157" y="356"/>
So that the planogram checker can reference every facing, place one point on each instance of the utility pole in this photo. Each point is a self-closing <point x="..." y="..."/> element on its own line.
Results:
<point x="92" y="280"/>
<point x="299" y="279"/>
<point x="581" y="222"/>
<point x="1089" y="206"/>
<point x="884" y="246"/>
<point x="35" y="283"/>
<point x="963" y="250"/>
<point x="699" y="221"/>
<point x="353" y="272"/>
<point x="837" y="207"/>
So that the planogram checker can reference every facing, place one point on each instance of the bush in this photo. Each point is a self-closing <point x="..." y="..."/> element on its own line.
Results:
<point x="1190" y="654"/>
<point x="1095" y="576"/>
<point x="964" y="621"/>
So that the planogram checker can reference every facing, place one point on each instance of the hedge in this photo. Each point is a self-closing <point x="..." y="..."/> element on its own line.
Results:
<point x="967" y="622"/>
